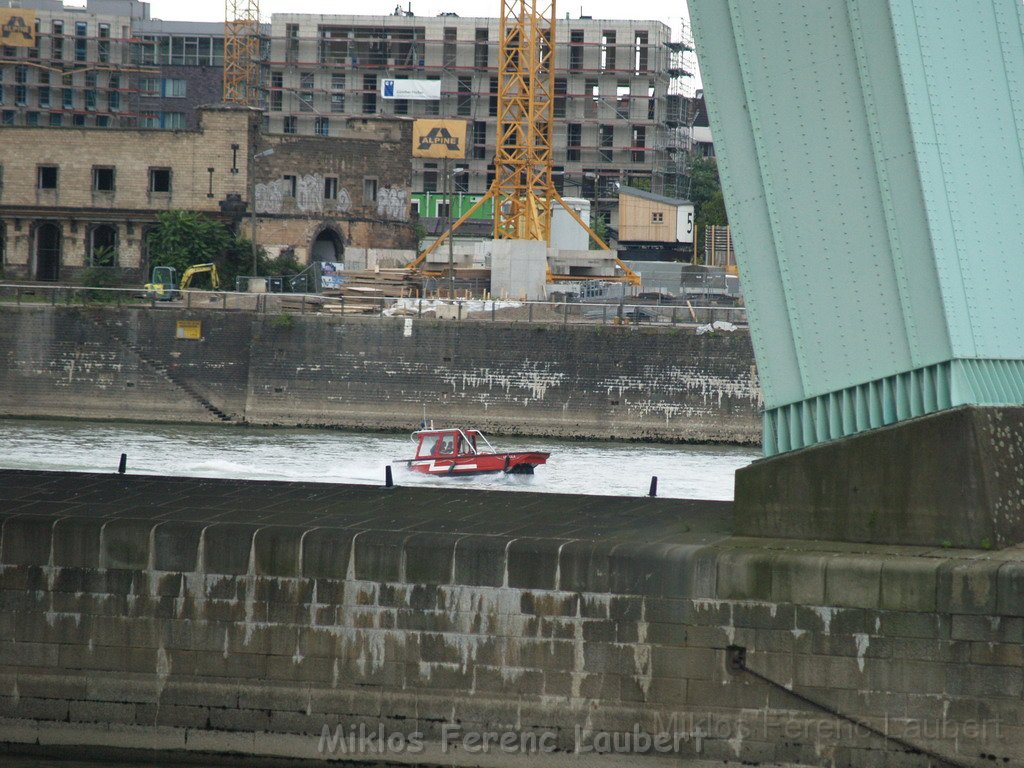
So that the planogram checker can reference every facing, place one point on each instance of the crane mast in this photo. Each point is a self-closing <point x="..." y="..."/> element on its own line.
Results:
<point x="242" y="52"/>
<point x="523" y="187"/>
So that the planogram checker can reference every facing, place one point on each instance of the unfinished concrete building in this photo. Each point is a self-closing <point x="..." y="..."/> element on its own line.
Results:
<point x="611" y="88"/>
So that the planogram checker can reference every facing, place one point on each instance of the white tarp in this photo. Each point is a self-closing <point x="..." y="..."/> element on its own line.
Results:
<point x="416" y="90"/>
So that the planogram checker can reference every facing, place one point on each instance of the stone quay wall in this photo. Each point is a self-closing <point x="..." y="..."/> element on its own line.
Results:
<point x="188" y="615"/>
<point x="368" y="373"/>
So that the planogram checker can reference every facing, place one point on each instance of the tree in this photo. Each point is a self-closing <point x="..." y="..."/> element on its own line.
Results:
<point x="704" y="182"/>
<point x="713" y="211"/>
<point x="183" y="238"/>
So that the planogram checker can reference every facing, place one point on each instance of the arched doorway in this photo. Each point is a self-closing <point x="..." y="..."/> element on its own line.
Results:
<point x="327" y="246"/>
<point x="48" y="252"/>
<point x="103" y="246"/>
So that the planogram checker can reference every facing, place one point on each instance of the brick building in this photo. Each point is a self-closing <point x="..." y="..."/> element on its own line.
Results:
<point x="77" y="198"/>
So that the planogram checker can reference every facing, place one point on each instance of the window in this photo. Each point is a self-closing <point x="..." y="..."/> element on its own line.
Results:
<point x="47" y="177"/>
<point x="492" y="104"/>
<point x="103" y="179"/>
<point x="102" y="121"/>
<point x="78" y="121"/>
<point x="56" y="119"/>
<point x="369" y="94"/>
<point x="322" y="126"/>
<point x="81" y="43"/>
<point x="114" y="95"/>
<point x="560" y="97"/>
<point x="369" y="191"/>
<point x="103" y="47"/>
<point x="290" y="124"/>
<point x="337" y="93"/>
<point x="149" y="86"/>
<point x="465" y="95"/>
<point x="479" y="140"/>
<point x="291" y="32"/>
<point x="640" y="52"/>
<point x="449" y="53"/>
<point x="657" y="217"/>
<point x="639" y="143"/>
<point x="481" y="49"/>
<point x="103" y="246"/>
<point x="429" y="180"/>
<point x="175" y="89"/>
<point x="574" y="133"/>
<point x="44" y="97"/>
<point x="290" y="185"/>
<point x="460" y="181"/>
<point x="20" y="89"/>
<point x="174" y="121"/>
<point x="68" y="98"/>
<point x="444" y="209"/>
<point x="57" y="41"/>
<point x="306" y="94"/>
<point x="330" y="188"/>
<point x="7" y="118"/>
<point x="160" y="180"/>
<point x="415" y="208"/>
<point x="608" y="50"/>
<point x="401" y="106"/>
<point x="276" y="92"/>
<point x="607" y="133"/>
<point x="591" y="89"/>
<point x="576" y="49"/>
<point x="32" y="119"/>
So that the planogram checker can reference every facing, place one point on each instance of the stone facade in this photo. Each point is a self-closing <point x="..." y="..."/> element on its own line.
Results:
<point x="365" y="373"/>
<point x="71" y="199"/>
<point x="242" y="617"/>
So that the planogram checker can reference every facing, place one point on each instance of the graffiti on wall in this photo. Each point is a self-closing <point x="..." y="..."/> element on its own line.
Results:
<point x="309" y="196"/>
<point x="392" y="203"/>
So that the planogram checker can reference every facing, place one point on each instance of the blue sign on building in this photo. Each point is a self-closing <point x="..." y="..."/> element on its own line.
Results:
<point x="389" y="89"/>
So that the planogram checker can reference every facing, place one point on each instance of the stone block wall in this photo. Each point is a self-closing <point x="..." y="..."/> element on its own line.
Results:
<point x="232" y="616"/>
<point x="365" y="373"/>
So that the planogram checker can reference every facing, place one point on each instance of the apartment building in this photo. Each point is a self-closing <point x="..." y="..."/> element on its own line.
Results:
<point x="612" y="81"/>
<point x="109" y="64"/>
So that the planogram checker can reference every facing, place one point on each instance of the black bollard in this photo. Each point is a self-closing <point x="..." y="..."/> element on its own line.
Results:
<point x="389" y="481"/>
<point x="654" y="487"/>
<point x="123" y="464"/>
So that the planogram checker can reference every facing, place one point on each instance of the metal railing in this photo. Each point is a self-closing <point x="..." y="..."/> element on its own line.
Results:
<point x="622" y="312"/>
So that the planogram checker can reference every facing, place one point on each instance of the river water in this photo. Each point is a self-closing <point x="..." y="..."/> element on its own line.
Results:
<point x="329" y="456"/>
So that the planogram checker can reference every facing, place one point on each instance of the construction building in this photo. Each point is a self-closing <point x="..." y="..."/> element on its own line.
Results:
<point x="612" y="82"/>
<point x="109" y="64"/>
<point x="71" y="199"/>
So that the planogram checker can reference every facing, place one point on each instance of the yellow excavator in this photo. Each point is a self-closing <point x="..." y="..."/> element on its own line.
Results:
<point x="164" y="286"/>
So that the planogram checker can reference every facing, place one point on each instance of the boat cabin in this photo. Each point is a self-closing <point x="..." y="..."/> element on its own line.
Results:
<point x="450" y="443"/>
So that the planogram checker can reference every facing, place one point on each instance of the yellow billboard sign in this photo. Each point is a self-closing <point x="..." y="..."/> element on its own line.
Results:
<point x="189" y="329"/>
<point x="439" y="138"/>
<point x="17" y="28"/>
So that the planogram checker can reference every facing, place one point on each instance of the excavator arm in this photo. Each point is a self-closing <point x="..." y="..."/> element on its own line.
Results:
<point x="198" y="269"/>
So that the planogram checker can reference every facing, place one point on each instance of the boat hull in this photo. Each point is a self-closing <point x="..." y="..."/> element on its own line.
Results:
<point x="518" y="463"/>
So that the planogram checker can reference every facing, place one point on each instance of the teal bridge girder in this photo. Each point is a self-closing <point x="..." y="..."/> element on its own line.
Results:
<point x="872" y="159"/>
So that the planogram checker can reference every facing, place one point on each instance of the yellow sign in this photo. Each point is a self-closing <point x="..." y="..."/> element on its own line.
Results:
<point x="439" y="138"/>
<point x="17" y="28"/>
<point x="189" y="329"/>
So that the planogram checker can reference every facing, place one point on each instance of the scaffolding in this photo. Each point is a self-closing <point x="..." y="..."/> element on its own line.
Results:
<point x="242" y="52"/>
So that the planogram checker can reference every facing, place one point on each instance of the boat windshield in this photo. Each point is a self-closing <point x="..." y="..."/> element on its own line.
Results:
<point x="428" y="445"/>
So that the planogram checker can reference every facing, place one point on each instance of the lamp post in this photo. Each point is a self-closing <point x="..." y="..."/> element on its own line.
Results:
<point x="449" y="183"/>
<point x="252" y="200"/>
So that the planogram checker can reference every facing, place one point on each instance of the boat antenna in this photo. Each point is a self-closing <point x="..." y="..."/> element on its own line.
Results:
<point x="423" y="424"/>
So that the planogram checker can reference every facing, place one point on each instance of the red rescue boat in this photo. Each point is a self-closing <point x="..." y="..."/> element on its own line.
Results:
<point x="467" y="452"/>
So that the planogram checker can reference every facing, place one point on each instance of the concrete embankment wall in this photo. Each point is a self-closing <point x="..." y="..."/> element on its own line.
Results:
<point x="243" y="617"/>
<point x="366" y="373"/>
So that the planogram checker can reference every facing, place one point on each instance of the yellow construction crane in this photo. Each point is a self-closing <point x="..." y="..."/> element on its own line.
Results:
<point x="523" y="190"/>
<point x="242" y="52"/>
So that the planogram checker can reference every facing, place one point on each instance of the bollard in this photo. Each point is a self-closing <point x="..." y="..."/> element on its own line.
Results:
<point x="389" y="481"/>
<point x="123" y="464"/>
<point x="654" y="487"/>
